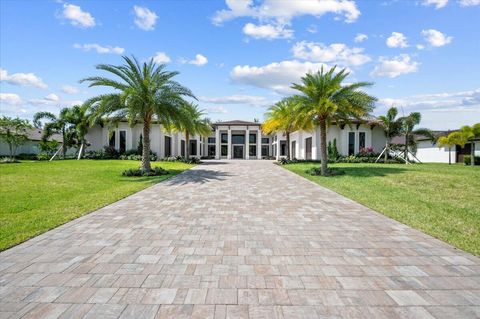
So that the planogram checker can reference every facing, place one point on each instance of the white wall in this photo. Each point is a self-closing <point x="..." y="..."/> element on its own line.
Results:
<point x="30" y="147"/>
<point x="429" y="153"/>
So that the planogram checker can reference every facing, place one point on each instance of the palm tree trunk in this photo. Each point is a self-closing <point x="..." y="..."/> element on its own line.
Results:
<point x="405" y="156"/>
<point x="385" y="159"/>
<point x="146" y="146"/>
<point x="187" y="145"/>
<point x="288" y="145"/>
<point x="64" y="144"/>
<point x="449" y="155"/>
<point x="472" y="154"/>
<point x="323" y="147"/>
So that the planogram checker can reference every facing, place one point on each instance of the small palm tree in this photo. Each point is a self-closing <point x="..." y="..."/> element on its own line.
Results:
<point x="55" y="125"/>
<point x="391" y="126"/>
<point x="472" y="133"/>
<point x="409" y="131"/>
<point x="325" y="99"/>
<point x="79" y="121"/>
<point x="282" y="117"/>
<point x="192" y="123"/>
<point x="452" y="139"/>
<point x="144" y="93"/>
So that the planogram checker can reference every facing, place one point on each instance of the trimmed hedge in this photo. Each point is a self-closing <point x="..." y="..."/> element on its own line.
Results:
<point x="467" y="160"/>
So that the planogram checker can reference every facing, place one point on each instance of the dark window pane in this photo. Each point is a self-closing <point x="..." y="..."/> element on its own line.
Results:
<point x="193" y="147"/>
<point x="224" y="138"/>
<point x="265" y="150"/>
<point x="224" y="150"/>
<point x="351" y="143"/>
<point x="238" y="139"/>
<point x="211" y="150"/>
<point x="123" y="141"/>
<point x="283" y="148"/>
<point x="211" y="140"/>
<point x="253" y="139"/>
<point x="361" y="140"/>
<point x="265" y="140"/>
<point x="168" y="146"/>
<point x="183" y="148"/>
<point x="252" y="150"/>
<point x="308" y="148"/>
<point x="111" y="142"/>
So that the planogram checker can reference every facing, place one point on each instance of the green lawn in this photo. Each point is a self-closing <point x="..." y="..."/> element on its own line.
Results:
<point x="38" y="196"/>
<point x="439" y="199"/>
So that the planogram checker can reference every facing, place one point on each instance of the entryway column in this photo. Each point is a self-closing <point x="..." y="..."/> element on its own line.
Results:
<point x="259" y="144"/>
<point x="229" y="151"/>
<point x="247" y="144"/>
<point x="217" y="144"/>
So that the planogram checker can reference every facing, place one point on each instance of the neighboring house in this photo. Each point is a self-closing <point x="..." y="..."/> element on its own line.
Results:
<point x="32" y="145"/>
<point x="429" y="152"/>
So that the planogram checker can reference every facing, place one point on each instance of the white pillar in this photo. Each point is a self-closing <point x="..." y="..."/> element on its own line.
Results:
<point x="247" y="144"/>
<point x="259" y="144"/>
<point x="278" y="147"/>
<point x="217" y="143"/>
<point x="229" y="151"/>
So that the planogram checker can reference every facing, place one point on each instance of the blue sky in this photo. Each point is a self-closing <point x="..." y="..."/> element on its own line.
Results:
<point x="239" y="57"/>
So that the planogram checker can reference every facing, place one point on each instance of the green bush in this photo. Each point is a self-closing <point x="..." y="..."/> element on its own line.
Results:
<point x="365" y="159"/>
<point x="157" y="171"/>
<point x="316" y="171"/>
<point x="467" y="160"/>
<point x="192" y="160"/>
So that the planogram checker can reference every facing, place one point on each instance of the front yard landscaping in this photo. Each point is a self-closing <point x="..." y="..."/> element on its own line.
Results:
<point x="439" y="199"/>
<point x="38" y="196"/>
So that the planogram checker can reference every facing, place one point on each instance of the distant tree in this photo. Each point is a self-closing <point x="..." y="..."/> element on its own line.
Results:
<point x="409" y="131"/>
<point x="472" y="133"/>
<point x="14" y="132"/>
<point x="48" y="147"/>
<point x="452" y="139"/>
<point x="392" y="127"/>
<point x="78" y="119"/>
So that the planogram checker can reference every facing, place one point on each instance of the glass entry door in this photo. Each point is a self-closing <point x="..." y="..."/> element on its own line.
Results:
<point x="237" y="151"/>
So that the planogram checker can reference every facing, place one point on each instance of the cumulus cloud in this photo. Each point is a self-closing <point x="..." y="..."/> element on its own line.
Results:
<point x="145" y="19"/>
<point x="469" y="3"/>
<point x="10" y="99"/>
<point x="99" y="48"/>
<point x="286" y="10"/>
<point x="22" y="79"/>
<point x="267" y="31"/>
<point x="198" y="61"/>
<point x="52" y="97"/>
<point x="77" y="16"/>
<point x="69" y="89"/>
<point x="161" y="58"/>
<point x="396" y="66"/>
<point x="252" y="100"/>
<point x="437" y="3"/>
<point x="14" y="105"/>
<point x="216" y="109"/>
<point x="336" y="53"/>
<point x="360" y="37"/>
<point x="277" y="76"/>
<point x="397" y="40"/>
<point x="436" y="38"/>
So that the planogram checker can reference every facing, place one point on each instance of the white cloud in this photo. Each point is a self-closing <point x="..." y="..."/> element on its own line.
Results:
<point x="10" y="99"/>
<point x="397" y="40"/>
<point x="437" y="3"/>
<point x="336" y="53"/>
<point x="257" y="101"/>
<point x="69" y="89"/>
<point x="161" y="58"/>
<point x="216" y="109"/>
<point x="145" y="19"/>
<point x="420" y="46"/>
<point x="284" y="11"/>
<point x="267" y="31"/>
<point x="469" y="3"/>
<point x="22" y="79"/>
<point x="436" y="38"/>
<point x="360" y="37"/>
<point x="77" y="16"/>
<point x="52" y="97"/>
<point x="395" y="66"/>
<point x="199" y="60"/>
<point x="99" y="48"/>
<point x="277" y="76"/>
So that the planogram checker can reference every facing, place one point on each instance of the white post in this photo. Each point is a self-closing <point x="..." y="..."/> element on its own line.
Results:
<point x="80" y="152"/>
<point x="259" y="144"/>
<point x="229" y="151"/>
<point x="247" y="144"/>
<point x="217" y="143"/>
<point x="278" y="148"/>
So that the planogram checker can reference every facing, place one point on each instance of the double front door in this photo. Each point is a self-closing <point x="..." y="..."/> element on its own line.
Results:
<point x="238" y="151"/>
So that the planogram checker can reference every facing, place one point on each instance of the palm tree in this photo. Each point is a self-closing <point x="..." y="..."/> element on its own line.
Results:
<point x="55" y="125"/>
<point x="282" y="117"/>
<point x="409" y="131"/>
<point x="192" y="123"/>
<point x="144" y="93"/>
<point x="79" y="121"/>
<point x="471" y="133"/>
<point x="324" y="99"/>
<point x="391" y="126"/>
<point x="452" y="139"/>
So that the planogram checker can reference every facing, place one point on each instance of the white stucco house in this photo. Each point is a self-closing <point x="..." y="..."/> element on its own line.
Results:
<point x="32" y="145"/>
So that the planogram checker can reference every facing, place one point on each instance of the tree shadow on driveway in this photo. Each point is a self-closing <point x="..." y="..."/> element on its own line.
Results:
<point x="198" y="176"/>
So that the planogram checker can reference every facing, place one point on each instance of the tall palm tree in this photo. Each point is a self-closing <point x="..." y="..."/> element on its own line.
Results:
<point x="409" y="131"/>
<point x="452" y="139"/>
<point x="325" y="99"/>
<point x="79" y="120"/>
<point x="144" y="93"/>
<point x="472" y="133"/>
<point x="391" y="126"/>
<point x="192" y="123"/>
<point x="55" y="125"/>
<point x="282" y="117"/>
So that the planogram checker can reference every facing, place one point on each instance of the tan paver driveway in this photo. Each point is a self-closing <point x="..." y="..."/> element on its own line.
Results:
<point x="237" y="239"/>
